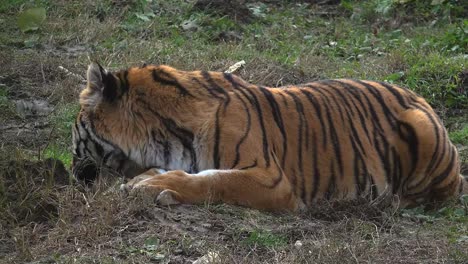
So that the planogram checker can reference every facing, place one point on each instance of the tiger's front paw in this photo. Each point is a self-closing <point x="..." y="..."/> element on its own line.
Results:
<point x="159" y="188"/>
<point x="166" y="198"/>
<point x="127" y="187"/>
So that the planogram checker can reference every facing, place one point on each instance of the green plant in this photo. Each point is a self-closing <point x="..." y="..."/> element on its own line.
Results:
<point x="265" y="238"/>
<point x="150" y="248"/>
<point x="460" y="136"/>
<point x="61" y="153"/>
<point x="31" y="19"/>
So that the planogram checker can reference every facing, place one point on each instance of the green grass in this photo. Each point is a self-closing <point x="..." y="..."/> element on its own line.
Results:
<point x="3" y="98"/>
<point x="460" y="136"/>
<point x="7" y="108"/>
<point x="62" y="122"/>
<point x="454" y="219"/>
<point x="58" y="152"/>
<point x="409" y="43"/>
<point x="264" y="238"/>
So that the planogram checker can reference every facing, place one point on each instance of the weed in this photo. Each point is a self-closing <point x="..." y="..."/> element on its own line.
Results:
<point x="265" y="238"/>
<point x="6" y="106"/>
<point x="460" y="136"/>
<point x="46" y="217"/>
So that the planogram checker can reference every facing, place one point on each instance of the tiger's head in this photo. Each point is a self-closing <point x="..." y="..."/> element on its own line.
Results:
<point x="95" y="145"/>
<point x="138" y="118"/>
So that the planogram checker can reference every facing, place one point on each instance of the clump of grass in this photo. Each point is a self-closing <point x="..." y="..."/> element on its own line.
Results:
<point x="265" y="238"/>
<point x="27" y="190"/>
<point x="460" y="136"/>
<point x="7" y="110"/>
<point x="58" y="146"/>
<point x="283" y="43"/>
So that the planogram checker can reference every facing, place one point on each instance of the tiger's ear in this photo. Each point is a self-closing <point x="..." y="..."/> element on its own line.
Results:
<point x="102" y="86"/>
<point x="94" y="76"/>
<point x="102" y="82"/>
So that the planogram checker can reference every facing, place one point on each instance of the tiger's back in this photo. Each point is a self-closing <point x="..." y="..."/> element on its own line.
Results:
<point x="276" y="148"/>
<point x="345" y="138"/>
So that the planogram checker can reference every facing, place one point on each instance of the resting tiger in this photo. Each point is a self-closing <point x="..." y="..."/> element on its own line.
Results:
<point x="222" y="139"/>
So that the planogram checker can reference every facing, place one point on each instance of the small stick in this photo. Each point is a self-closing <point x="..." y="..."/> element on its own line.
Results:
<point x="236" y="66"/>
<point x="69" y="73"/>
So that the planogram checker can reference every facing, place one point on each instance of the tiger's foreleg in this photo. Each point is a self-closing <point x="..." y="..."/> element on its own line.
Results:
<point x="256" y="187"/>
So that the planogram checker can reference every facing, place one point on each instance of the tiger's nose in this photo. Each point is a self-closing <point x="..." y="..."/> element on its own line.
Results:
<point x="85" y="171"/>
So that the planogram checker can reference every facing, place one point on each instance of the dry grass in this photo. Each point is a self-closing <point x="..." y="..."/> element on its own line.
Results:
<point x="45" y="217"/>
<point x="99" y="224"/>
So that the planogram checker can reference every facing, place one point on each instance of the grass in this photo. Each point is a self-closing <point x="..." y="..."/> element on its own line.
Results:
<point x="45" y="217"/>
<point x="265" y="238"/>
<point x="460" y="136"/>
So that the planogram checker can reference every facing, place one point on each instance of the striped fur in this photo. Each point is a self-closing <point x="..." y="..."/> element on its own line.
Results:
<point x="222" y="139"/>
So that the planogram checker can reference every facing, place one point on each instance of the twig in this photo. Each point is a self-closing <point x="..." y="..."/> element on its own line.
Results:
<point x="236" y="66"/>
<point x="69" y="73"/>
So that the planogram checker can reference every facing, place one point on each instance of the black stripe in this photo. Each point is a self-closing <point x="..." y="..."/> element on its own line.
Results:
<point x="257" y="106"/>
<point x="246" y="132"/>
<point x="109" y="91"/>
<point x="341" y="96"/>
<point x="332" y="102"/>
<point x="124" y="82"/>
<point x="316" y="175"/>
<point x="434" y="163"/>
<point x="216" y="158"/>
<point x="165" y="78"/>
<point x="409" y="136"/>
<point x="276" y="111"/>
<point x="284" y="99"/>
<point x="99" y="149"/>
<point x="300" y="111"/>
<point x="214" y="86"/>
<point x="383" y="154"/>
<point x="167" y="152"/>
<point x="437" y="180"/>
<point x="374" y="189"/>
<point x="210" y="91"/>
<point x="166" y="147"/>
<point x="185" y="136"/>
<point x="313" y="101"/>
<point x="360" y="185"/>
<point x="356" y="91"/>
<point x="333" y="135"/>
<point x="391" y="119"/>
<point x="250" y="166"/>
<point x="331" y="189"/>
<point x="392" y="89"/>
<point x="278" y="179"/>
<point x="441" y="177"/>
<point x="77" y="140"/>
<point x="397" y="172"/>
<point x="92" y="128"/>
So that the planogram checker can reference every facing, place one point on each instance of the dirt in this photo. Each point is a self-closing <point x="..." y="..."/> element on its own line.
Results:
<point x="100" y="224"/>
<point x="46" y="217"/>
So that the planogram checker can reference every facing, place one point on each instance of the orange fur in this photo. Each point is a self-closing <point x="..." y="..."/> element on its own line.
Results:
<point x="269" y="148"/>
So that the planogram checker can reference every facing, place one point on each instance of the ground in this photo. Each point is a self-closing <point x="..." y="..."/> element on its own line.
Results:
<point x="46" y="217"/>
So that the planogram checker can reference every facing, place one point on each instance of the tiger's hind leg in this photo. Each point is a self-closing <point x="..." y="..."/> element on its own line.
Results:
<point x="432" y="166"/>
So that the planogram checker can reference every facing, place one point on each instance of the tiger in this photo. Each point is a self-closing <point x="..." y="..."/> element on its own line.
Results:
<point x="220" y="139"/>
